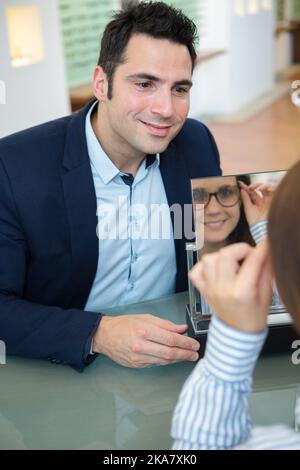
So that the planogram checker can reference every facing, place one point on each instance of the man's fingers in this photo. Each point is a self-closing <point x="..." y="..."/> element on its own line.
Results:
<point x="149" y="360"/>
<point x="166" y="324"/>
<point x="155" y="345"/>
<point x="167" y="333"/>
<point x="154" y="353"/>
<point x="161" y="336"/>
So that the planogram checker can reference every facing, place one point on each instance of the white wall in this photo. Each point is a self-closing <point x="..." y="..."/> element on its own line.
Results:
<point x="247" y="69"/>
<point x="211" y="78"/>
<point x="252" y="56"/>
<point x="34" y="93"/>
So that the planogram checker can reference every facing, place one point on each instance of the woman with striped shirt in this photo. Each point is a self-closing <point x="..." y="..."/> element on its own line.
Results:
<point x="213" y="410"/>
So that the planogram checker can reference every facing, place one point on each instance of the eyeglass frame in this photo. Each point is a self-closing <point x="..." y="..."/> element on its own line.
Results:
<point x="216" y="196"/>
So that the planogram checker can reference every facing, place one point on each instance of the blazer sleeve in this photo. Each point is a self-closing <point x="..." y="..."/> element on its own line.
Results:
<point x="29" y="329"/>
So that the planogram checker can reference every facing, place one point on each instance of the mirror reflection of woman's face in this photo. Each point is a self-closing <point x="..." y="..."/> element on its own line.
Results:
<point x="219" y="221"/>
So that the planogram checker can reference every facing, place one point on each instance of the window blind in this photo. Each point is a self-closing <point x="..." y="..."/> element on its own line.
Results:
<point x="82" y="23"/>
<point x="296" y="9"/>
<point x="287" y="9"/>
<point x="280" y="7"/>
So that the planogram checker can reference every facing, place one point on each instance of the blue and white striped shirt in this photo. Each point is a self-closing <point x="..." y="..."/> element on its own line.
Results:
<point x="259" y="230"/>
<point x="213" y="410"/>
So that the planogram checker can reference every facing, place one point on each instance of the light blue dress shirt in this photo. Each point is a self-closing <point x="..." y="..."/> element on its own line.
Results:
<point x="137" y="259"/>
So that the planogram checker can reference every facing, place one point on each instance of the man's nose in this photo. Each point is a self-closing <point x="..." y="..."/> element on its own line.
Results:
<point x="163" y="104"/>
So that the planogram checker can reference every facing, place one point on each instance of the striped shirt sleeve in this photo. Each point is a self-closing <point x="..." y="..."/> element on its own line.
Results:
<point x="259" y="231"/>
<point x="212" y="411"/>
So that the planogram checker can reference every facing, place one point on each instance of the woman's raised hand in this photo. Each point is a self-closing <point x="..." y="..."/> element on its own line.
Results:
<point x="256" y="200"/>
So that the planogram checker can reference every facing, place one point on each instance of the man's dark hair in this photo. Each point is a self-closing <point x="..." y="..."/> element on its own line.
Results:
<point x="155" y="19"/>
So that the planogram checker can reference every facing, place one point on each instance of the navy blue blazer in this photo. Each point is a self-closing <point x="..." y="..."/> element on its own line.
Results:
<point x="48" y="242"/>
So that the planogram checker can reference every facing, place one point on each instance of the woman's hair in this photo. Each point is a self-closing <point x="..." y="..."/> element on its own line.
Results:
<point x="284" y="240"/>
<point x="242" y="233"/>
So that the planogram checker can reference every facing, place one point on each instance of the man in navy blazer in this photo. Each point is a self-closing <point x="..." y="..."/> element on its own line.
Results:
<point x="49" y="250"/>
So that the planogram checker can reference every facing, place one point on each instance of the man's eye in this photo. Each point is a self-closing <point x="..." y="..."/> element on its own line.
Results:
<point x="143" y="85"/>
<point x="181" y="90"/>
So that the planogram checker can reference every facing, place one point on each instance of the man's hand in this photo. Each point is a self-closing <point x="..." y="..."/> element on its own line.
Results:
<point x="256" y="199"/>
<point x="237" y="283"/>
<point x="143" y="340"/>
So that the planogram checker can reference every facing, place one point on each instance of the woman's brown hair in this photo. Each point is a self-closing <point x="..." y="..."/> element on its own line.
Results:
<point x="284" y="240"/>
<point x="242" y="231"/>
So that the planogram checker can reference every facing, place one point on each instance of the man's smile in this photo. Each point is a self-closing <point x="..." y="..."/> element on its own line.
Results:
<point x="155" y="129"/>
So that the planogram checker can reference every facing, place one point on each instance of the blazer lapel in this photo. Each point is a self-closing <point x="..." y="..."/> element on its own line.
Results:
<point x="80" y="200"/>
<point x="178" y="190"/>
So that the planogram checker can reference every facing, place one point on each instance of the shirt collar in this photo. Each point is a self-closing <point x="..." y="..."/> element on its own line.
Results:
<point x="150" y="159"/>
<point x="101" y="162"/>
<point x="103" y="165"/>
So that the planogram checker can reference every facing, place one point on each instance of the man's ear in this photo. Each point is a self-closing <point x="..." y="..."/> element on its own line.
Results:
<point x="100" y="84"/>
